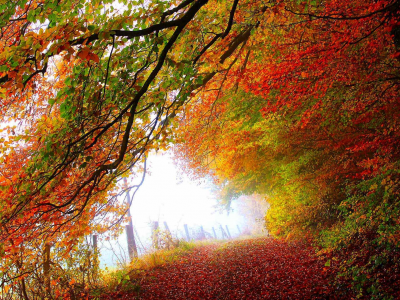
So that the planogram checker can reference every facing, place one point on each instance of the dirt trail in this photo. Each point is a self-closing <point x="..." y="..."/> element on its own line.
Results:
<point x="251" y="269"/>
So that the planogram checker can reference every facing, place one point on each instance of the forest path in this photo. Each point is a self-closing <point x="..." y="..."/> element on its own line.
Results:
<point x="261" y="268"/>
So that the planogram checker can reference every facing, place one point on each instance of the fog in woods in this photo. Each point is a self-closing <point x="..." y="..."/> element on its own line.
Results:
<point x="167" y="195"/>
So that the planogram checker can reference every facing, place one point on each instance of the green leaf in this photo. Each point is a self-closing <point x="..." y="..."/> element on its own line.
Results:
<point x="31" y="16"/>
<point x="328" y="263"/>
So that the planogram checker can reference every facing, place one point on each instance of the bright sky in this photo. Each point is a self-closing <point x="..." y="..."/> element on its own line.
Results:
<point x="165" y="196"/>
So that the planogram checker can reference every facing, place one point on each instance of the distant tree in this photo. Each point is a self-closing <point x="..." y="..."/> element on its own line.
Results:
<point x="253" y="208"/>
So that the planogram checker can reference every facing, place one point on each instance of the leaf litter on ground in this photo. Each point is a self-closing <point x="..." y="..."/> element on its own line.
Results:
<point x="260" y="268"/>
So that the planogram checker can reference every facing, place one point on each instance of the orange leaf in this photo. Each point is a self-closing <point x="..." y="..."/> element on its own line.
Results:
<point x="83" y="54"/>
<point x="94" y="57"/>
<point x="12" y="74"/>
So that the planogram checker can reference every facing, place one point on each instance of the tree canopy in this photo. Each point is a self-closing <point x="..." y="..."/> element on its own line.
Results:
<point x="87" y="89"/>
<point x="308" y="116"/>
<point x="297" y="100"/>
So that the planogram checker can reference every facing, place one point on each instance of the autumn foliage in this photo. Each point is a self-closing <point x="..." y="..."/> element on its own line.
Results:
<point x="294" y="100"/>
<point x="86" y="90"/>
<point x="307" y="114"/>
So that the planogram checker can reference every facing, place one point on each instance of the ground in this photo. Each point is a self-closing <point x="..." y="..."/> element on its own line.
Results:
<point x="261" y="268"/>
